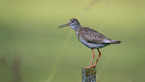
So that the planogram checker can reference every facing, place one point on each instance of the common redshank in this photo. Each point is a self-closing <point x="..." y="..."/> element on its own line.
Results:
<point x="90" y="38"/>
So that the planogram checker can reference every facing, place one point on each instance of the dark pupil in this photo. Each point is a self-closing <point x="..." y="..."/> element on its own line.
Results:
<point x="72" y="21"/>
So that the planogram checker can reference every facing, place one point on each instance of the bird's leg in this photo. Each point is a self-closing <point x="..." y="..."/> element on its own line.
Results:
<point x="92" y="60"/>
<point x="97" y="58"/>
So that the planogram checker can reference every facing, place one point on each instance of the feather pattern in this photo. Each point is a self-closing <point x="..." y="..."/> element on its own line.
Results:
<point x="92" y="36"/>
<point x="89" y="37"/>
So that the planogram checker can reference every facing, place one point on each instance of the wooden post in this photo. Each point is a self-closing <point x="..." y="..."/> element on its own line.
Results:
<point x="89" y="75"/>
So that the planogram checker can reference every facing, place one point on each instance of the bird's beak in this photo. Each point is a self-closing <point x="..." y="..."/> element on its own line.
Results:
<point x="61" y="26"/>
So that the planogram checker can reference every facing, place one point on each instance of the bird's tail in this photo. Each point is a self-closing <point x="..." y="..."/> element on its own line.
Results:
<point x="116" y="42"/>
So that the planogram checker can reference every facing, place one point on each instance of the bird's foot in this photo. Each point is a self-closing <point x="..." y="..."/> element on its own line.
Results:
<point x="88" y="67"/>
<point x="94" y="66"/>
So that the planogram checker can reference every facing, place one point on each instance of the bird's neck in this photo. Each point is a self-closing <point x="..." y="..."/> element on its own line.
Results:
<point x="75" y="27"/>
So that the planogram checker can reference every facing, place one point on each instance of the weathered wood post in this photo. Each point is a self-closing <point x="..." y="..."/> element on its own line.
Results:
<point x="89" y="75"/>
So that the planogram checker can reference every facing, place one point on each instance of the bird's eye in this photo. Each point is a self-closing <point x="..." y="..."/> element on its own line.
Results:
<point x="72" y="21"/>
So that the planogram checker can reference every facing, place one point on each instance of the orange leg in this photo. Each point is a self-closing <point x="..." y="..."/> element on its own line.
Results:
<point x="97" y="58"/>
<point x="92" y="60"/>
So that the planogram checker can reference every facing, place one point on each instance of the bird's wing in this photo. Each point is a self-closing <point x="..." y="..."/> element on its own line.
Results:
<point x="92" y="36"/>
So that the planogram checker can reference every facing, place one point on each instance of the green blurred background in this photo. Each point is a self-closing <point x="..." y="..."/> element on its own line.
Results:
<point x="33" y="49"/>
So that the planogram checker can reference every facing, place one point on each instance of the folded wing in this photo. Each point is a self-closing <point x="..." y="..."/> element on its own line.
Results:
<point x="92" y="36"/>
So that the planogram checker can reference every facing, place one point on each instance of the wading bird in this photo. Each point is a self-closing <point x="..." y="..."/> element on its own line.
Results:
<point x="90" y="38"/>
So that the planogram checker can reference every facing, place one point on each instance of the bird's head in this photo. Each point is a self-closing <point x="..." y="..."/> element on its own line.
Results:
<point x="72" y="23"/>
